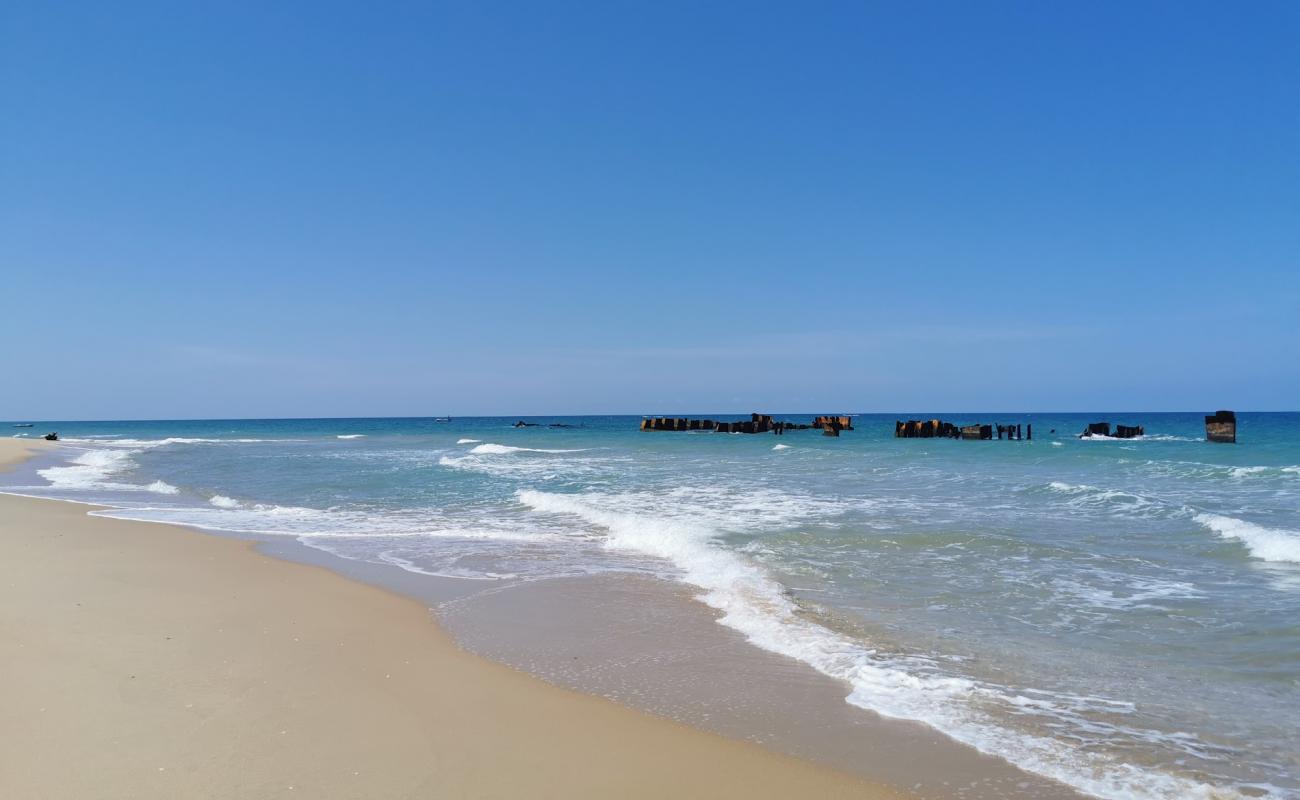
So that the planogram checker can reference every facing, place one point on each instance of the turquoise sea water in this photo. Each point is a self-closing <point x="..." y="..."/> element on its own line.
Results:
<point x="1121" y="615"/>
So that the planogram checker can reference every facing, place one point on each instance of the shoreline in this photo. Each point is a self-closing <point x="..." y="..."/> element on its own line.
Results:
<point x="651" y="646"/>
<point x="160" y="661"/>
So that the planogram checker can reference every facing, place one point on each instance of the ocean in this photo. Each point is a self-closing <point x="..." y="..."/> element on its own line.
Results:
<point x="1119" y="615"/>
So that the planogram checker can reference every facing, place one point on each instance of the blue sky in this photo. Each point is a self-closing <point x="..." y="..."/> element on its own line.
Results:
<point x="332" y="209"/>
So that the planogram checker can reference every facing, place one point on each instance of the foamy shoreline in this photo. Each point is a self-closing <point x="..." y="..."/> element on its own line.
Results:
<point x="658" y="645"/>
<point x="155" y="661"/>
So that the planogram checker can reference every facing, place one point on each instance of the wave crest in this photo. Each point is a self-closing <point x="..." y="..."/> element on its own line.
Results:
<point x="490" y="449"/>
<point x="1264" y="543"/>
<point x="758" y="606"/>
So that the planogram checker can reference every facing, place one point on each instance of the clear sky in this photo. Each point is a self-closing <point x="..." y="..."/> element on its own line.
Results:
<point x="334" y="209"/>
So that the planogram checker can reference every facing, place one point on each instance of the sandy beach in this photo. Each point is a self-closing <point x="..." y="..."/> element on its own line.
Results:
<point x="146" y="660"/>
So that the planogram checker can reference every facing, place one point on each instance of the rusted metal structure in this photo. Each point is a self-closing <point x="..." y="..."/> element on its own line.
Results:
<point x="1221" y="427"/>
<point x="925" y="429"/>
<point x="1096" y="429"/>
<point x="1013" y="432"/>
<point x="844" y="423"/>
<point x="677" y="424"/>
<point x="757" y="423"/>
<point x="938" y="429"/>
<point x="1120" y="432"/>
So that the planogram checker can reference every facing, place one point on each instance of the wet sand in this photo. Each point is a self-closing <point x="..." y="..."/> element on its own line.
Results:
<point x="152" y="661"/>
<point x="647" y="643"/>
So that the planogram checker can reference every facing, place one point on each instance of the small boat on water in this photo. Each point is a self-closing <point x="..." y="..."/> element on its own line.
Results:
<point x="442" y="419"/>
<point x="25" y="425"/>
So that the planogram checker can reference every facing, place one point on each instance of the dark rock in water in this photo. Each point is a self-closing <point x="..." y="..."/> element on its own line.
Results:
<point x="522" y="424"/>
<point x="560" y="425"/>
<point x="1221" y="427"/>
<point x="1129" y="431"/>
<point x="51" y="437"/>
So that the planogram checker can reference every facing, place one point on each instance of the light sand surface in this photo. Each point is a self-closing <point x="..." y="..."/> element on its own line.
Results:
<point x="152" y="661"/>
<point x="14" y="450"/>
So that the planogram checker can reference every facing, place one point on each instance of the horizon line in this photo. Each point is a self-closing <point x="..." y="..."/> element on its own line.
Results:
<point x="899" y="414"/>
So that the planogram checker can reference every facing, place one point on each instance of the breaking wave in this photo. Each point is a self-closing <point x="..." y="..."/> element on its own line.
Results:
<point x="505" y="449"/>
<point x="1264" y="543"/>
<point x="91" y="470"/>
<point x="759" y="607"/>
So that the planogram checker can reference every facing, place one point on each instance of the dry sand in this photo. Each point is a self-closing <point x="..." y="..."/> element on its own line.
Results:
<point x="152" y="661"/>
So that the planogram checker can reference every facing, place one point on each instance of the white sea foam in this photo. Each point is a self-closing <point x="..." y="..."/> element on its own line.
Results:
<point x="1150" y="437"/>
<point x="89" y="470"/>
<point x="99" y="470"/>
<point x="780" y="447"/>
<point x="410" y="566"/>
<point x="693" y="521"/>
<point x="505" y="450"/>
<point x="351" y="436"/>
<point x="1113" y="501"/>
<point x="468" y="441"/>
<point x="1125" y="592"/>
<point x="145" y="444"/>
<point x="1268" y="544"/>
<point x="1265" y="472"/>
<point x="331" y="528"/>
<point x="1241" y="472"/>
<point x="523" y="463"/>
<point x="759" y="607"/>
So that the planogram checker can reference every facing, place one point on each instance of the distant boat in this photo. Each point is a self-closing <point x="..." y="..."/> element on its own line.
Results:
<point x="25" y="425"/>
<point x="442" y="419"/>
